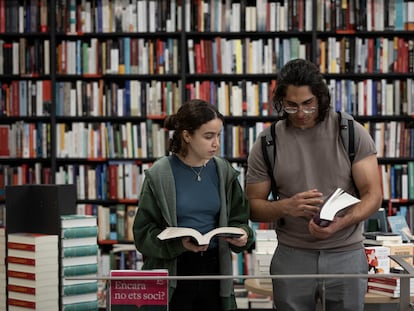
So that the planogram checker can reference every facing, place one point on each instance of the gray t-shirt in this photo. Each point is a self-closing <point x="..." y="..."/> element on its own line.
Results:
<point x="306" y="159"/>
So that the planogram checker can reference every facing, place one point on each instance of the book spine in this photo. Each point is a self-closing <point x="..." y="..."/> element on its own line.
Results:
<point x="77" y="289"/>
<point x="79" y="270"/>
<point x="21" y="289"/>
<point x="75" y="251"/>
<point x="21" y="246"/>
<point x="79" y="232"/>
<point x="81" y="306"/>
<point x="21" y="261"/>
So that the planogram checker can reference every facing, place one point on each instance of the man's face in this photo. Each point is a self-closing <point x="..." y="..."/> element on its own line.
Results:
<point x="301" y="106"/>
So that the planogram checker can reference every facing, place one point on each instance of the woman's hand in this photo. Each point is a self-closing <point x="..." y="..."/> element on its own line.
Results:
<point x="193" y="247"/>
<point x="239" y="242"/>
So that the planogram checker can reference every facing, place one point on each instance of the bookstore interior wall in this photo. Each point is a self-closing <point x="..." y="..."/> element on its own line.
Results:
<point x="86" y="85"/>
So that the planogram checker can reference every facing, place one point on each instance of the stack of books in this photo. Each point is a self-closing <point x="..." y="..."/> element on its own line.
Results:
<point x="3" y="297"/>
<point x="389" y="287"/>
<point x="382" y="238"/>
<point x="266" y="243"/>
<point x="32" y="271"/>
<point x="79" y="260"/>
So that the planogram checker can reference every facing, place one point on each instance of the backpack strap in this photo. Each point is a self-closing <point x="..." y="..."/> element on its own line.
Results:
<point x="349" y="137"/>
<point x="268" y="143"/>
<point x="347" y="132"/>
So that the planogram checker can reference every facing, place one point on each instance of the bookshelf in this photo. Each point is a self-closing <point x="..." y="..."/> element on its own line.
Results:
<point x="85" y="100"/>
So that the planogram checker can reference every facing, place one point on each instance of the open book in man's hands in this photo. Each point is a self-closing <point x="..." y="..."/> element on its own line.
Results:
<point x="201" y="239"/>
<point x="335" y="202"/>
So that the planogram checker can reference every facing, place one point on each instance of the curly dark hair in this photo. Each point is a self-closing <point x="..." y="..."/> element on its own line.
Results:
<point x="190" y="117"/>
<point x="301" y="72"/>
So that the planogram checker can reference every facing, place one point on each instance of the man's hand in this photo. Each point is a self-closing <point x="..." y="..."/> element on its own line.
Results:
<point x="304" y="204"/>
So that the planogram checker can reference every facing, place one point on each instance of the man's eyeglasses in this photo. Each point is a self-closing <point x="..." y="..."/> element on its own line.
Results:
<point x="292" y="108"/>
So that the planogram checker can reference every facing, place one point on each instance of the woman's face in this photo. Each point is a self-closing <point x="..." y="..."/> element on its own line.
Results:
<point x="306" y="104"/>
<point x="205" y="141"/>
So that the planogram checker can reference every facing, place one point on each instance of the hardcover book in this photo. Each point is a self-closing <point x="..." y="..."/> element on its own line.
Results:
<point x="201" y="239"/>
<point x="131" y="294"/>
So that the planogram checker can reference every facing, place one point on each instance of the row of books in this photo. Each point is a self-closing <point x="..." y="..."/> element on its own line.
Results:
<point x="113" y="181"/>
<point x="25" y="98"/>
<point x="373" y="97"/>
<point x="392" y="139"/>
<point x="24" y="17"/>
<point x="33" y="56"/>
<point x="159" y="98"/>
<point x="215" y="15"/>
<point x="366" y="55"/>
<point x="243" y="98"/>
<point x="397" y="181"/>
<point x="25" y="140"/>
<point x="94" y="182"/>
<point x="23" y="174"/>
<point x="107" y="140"/>
<point x="125" y="257"/>
<point x="261" y="15"/>
<point x="116" y="222"/>
<point x="367" y="15"/>
<point x="118" y="16"/>
<point x="119" y="99"/>
<point x="118" y="56"/>
<point x="240" y="56"/>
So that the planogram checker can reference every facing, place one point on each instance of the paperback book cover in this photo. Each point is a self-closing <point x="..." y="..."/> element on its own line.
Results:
<point x="398" y="224"/>
<point x="200" y="239"/>
<point x="129" y="294"/>
<point x="334" y="203"/>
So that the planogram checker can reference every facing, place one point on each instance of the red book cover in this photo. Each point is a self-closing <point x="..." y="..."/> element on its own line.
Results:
<point x="21" y="275"/>
<point x="113" y="181"/>
<point x="383" y="290"/>
<point x="4" y="141"/>
<point x="371" y="53"/>
<point x="387" y="281"/>
<point x="21" y="260"/>
<point x="21" y="289"/>
<point x="218" y="45"/>
<point x="21" y="303"/>
<point x="198" y="58"/>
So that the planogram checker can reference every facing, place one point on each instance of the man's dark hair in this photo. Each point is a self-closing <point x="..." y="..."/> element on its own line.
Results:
<point x="301" y="72"/>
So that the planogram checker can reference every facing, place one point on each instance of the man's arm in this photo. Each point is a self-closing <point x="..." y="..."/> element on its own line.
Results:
<point x="303" y="204"/>
<point x="367" y="180"/>
<point x="261" y="209"/>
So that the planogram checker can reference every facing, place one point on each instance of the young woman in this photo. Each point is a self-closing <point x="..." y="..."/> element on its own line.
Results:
<point x="193" y="188"/>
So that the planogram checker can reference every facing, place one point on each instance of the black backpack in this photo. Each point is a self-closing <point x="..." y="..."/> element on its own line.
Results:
<point x="348" y="133"/>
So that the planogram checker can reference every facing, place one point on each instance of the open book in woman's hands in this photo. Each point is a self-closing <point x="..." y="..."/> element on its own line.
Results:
<point x="335" y="202"/>
<point x="200" y="239"/>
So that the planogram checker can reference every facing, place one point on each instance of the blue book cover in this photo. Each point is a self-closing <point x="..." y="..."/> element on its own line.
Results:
<point x="398" y="224"/>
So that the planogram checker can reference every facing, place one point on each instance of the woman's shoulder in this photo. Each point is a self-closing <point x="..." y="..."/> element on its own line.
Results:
<point x="225" y="166"/>
<point x="159" y="165"/>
